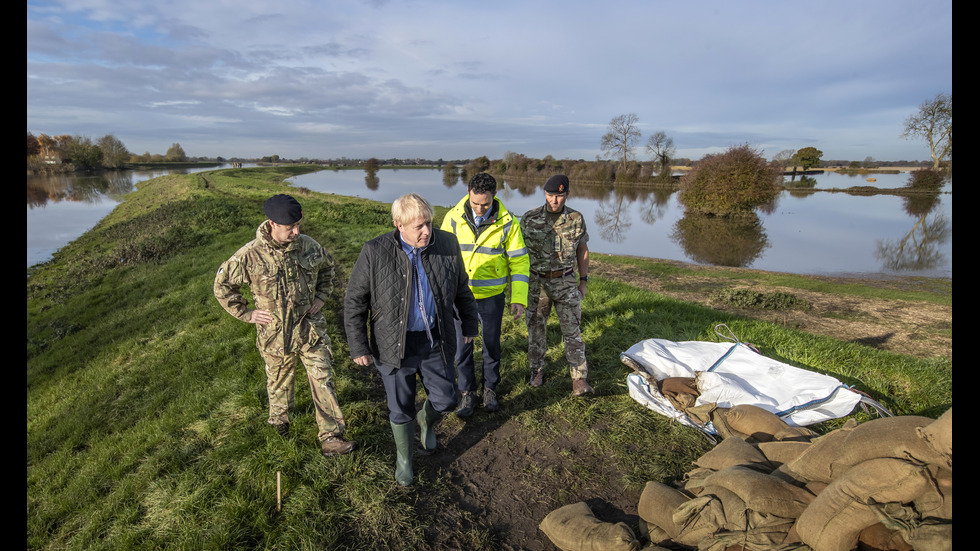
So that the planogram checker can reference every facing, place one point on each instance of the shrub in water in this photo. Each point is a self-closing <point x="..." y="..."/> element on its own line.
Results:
<point x="926" y="179"/>
<point x="735" y="181"/>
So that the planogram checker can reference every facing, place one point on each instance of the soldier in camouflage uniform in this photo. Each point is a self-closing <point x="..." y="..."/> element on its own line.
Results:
<point x="557" y="243"/>
<point x="290" y="276"/>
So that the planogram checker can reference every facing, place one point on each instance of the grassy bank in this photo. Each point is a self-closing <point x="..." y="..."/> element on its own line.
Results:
<point x="146" y="402"/>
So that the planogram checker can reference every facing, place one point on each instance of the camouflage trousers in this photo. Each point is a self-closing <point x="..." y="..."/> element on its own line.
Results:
<point x="280" y="371"/>
<point x="563" y="294"/>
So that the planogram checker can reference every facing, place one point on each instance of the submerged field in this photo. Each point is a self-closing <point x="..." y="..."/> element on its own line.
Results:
<point x="146" y="402"/>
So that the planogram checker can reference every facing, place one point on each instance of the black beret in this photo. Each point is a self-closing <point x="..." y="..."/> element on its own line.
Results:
<point x="283" y="209"/>
<point x="557" y="184"/>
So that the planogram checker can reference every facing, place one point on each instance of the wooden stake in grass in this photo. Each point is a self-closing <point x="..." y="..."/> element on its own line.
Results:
<point x="278" y="491"/>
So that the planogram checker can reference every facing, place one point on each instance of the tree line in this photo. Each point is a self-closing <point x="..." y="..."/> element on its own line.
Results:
<point x="76" y="152"/>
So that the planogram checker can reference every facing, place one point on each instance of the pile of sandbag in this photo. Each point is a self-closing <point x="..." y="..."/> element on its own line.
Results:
<point x="885" y="484"/>
<point x="882" y="485"/>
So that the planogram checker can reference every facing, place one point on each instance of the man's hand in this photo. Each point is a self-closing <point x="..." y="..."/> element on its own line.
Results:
<point x="582" y="288"/>
<point x="364" y="361"/>
<point x="315" y="307"/>
<point x="517" y="310"/>
<point x="468" y="340"/>
<point x="260" y="317"/>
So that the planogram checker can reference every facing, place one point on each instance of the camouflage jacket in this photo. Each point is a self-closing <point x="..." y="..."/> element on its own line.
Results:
<point x="553" y="240"/>
<point x="284" y="279"/>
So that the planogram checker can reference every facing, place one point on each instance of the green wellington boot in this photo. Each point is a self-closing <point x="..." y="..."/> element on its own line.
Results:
<point x="428" y="418"/>
<point x="404" y="434"/>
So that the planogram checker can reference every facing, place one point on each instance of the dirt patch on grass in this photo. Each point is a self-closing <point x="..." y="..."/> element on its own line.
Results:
<point x="490" y="484"/>
<point x="914" y="328"/>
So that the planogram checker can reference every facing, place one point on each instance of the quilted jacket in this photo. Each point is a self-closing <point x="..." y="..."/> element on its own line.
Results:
<point x="375" y="305"/>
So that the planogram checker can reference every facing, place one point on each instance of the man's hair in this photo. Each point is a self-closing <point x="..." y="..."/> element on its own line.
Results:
<point x="482" y="183"/>
<point x="409" y="208"/>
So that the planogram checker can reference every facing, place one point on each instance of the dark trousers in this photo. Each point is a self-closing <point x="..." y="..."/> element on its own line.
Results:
<point x="491" y="310"/>
<point x="426" y="362"/>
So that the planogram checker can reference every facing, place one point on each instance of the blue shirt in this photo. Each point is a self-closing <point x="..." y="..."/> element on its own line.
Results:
<point x="416" y="322"/>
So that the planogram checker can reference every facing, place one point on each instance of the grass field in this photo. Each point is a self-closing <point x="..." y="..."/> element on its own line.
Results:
<point x="146" y="401"/>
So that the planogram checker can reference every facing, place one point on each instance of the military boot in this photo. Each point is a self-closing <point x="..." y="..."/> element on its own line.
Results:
<point x="335" y="445"/>
<point x="580" y="387"/>
<point x="428" y="418"/>
<point x="537" y="377"/>
<point x="404" y="434"/>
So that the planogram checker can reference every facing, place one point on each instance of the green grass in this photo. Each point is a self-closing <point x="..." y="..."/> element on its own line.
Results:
<point x="937" y="291"/>
<point x="146" y="402"/>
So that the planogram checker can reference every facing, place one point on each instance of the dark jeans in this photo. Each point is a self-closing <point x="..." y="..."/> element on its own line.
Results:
<point x="437" y="378"/>
<point x="491" y="310"/>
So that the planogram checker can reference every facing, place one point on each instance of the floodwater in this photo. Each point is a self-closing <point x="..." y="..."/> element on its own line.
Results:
<point x="804" y="233"/>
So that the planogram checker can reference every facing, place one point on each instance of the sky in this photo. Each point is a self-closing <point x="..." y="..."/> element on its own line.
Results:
<point x="451" y="79"/>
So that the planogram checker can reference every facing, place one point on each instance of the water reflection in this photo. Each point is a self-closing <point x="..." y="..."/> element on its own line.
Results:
<point x="45" y="189"/>
<point x="920" y="248"/>
<point x="806" y="232"/>
<point x="721" y="241"/>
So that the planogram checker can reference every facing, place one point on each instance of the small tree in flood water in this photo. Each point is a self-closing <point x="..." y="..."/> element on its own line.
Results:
<point x="732" y="182"/>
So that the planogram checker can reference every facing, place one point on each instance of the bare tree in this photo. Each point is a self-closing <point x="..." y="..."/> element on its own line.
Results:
<point x="661" y="148"/>
<point x="622" y="137"/>
<point x="784" y="158"/>
<point x="933" y="122"/>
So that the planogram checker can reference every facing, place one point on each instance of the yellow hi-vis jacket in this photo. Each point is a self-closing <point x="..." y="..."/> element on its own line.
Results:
<point x="493" y="255"/>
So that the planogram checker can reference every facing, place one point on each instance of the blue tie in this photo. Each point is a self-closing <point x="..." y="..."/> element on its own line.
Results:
<point x="418" y="294"/>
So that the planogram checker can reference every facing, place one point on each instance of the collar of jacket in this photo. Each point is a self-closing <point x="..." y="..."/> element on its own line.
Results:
<point x="497" y="211"/>
<point x="264" y="234"/>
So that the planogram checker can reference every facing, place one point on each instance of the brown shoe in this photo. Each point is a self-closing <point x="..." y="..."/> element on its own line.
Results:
<point x="580" y="387"/>
<point x="335" y="445"/>
<point x="537" y="377"/>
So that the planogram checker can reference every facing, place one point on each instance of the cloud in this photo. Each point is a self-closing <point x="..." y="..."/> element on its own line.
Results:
<point x="437" y="79"/>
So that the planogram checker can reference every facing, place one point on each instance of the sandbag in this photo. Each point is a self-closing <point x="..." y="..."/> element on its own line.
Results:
<point x="731" y="504"/>
<point x="574" y="528"/>
<point x="878" y="536"/>
<point x="698" y="518"/>
<point x="833" y="521"/>
<point x="657" y="504"/>
<point x="760" y="425"/>
<point x="832" y="455"/>
<point x="761" y="492"/>
<point x="778" y="453"/>
<point x="933" y="537"/>
<point x="938" y="435"/>
<point x="731" y="452"/>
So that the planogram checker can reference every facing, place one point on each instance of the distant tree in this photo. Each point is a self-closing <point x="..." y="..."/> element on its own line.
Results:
<point x="661" y="148"/>
<point x="371" y="165"/>
<point x="934" y="123"/>
<point x="784" y="158"/>
<point x="175" y="153"/>
<point x="82" y="152"/>
<point x="33" y="146"/>
<point x="114" y="153"/>
<point x="732" y="182"/>
<point x="808" y="157"/>
<point x="621" y="137"/>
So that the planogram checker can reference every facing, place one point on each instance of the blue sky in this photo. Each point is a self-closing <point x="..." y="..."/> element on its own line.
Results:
<point x="454" y="79"/>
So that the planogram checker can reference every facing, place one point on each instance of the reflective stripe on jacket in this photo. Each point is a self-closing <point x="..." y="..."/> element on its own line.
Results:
<point x="494" y="253"/>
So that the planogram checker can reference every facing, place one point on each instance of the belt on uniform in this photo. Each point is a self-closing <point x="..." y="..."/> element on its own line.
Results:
<point x="554" y="273"/>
